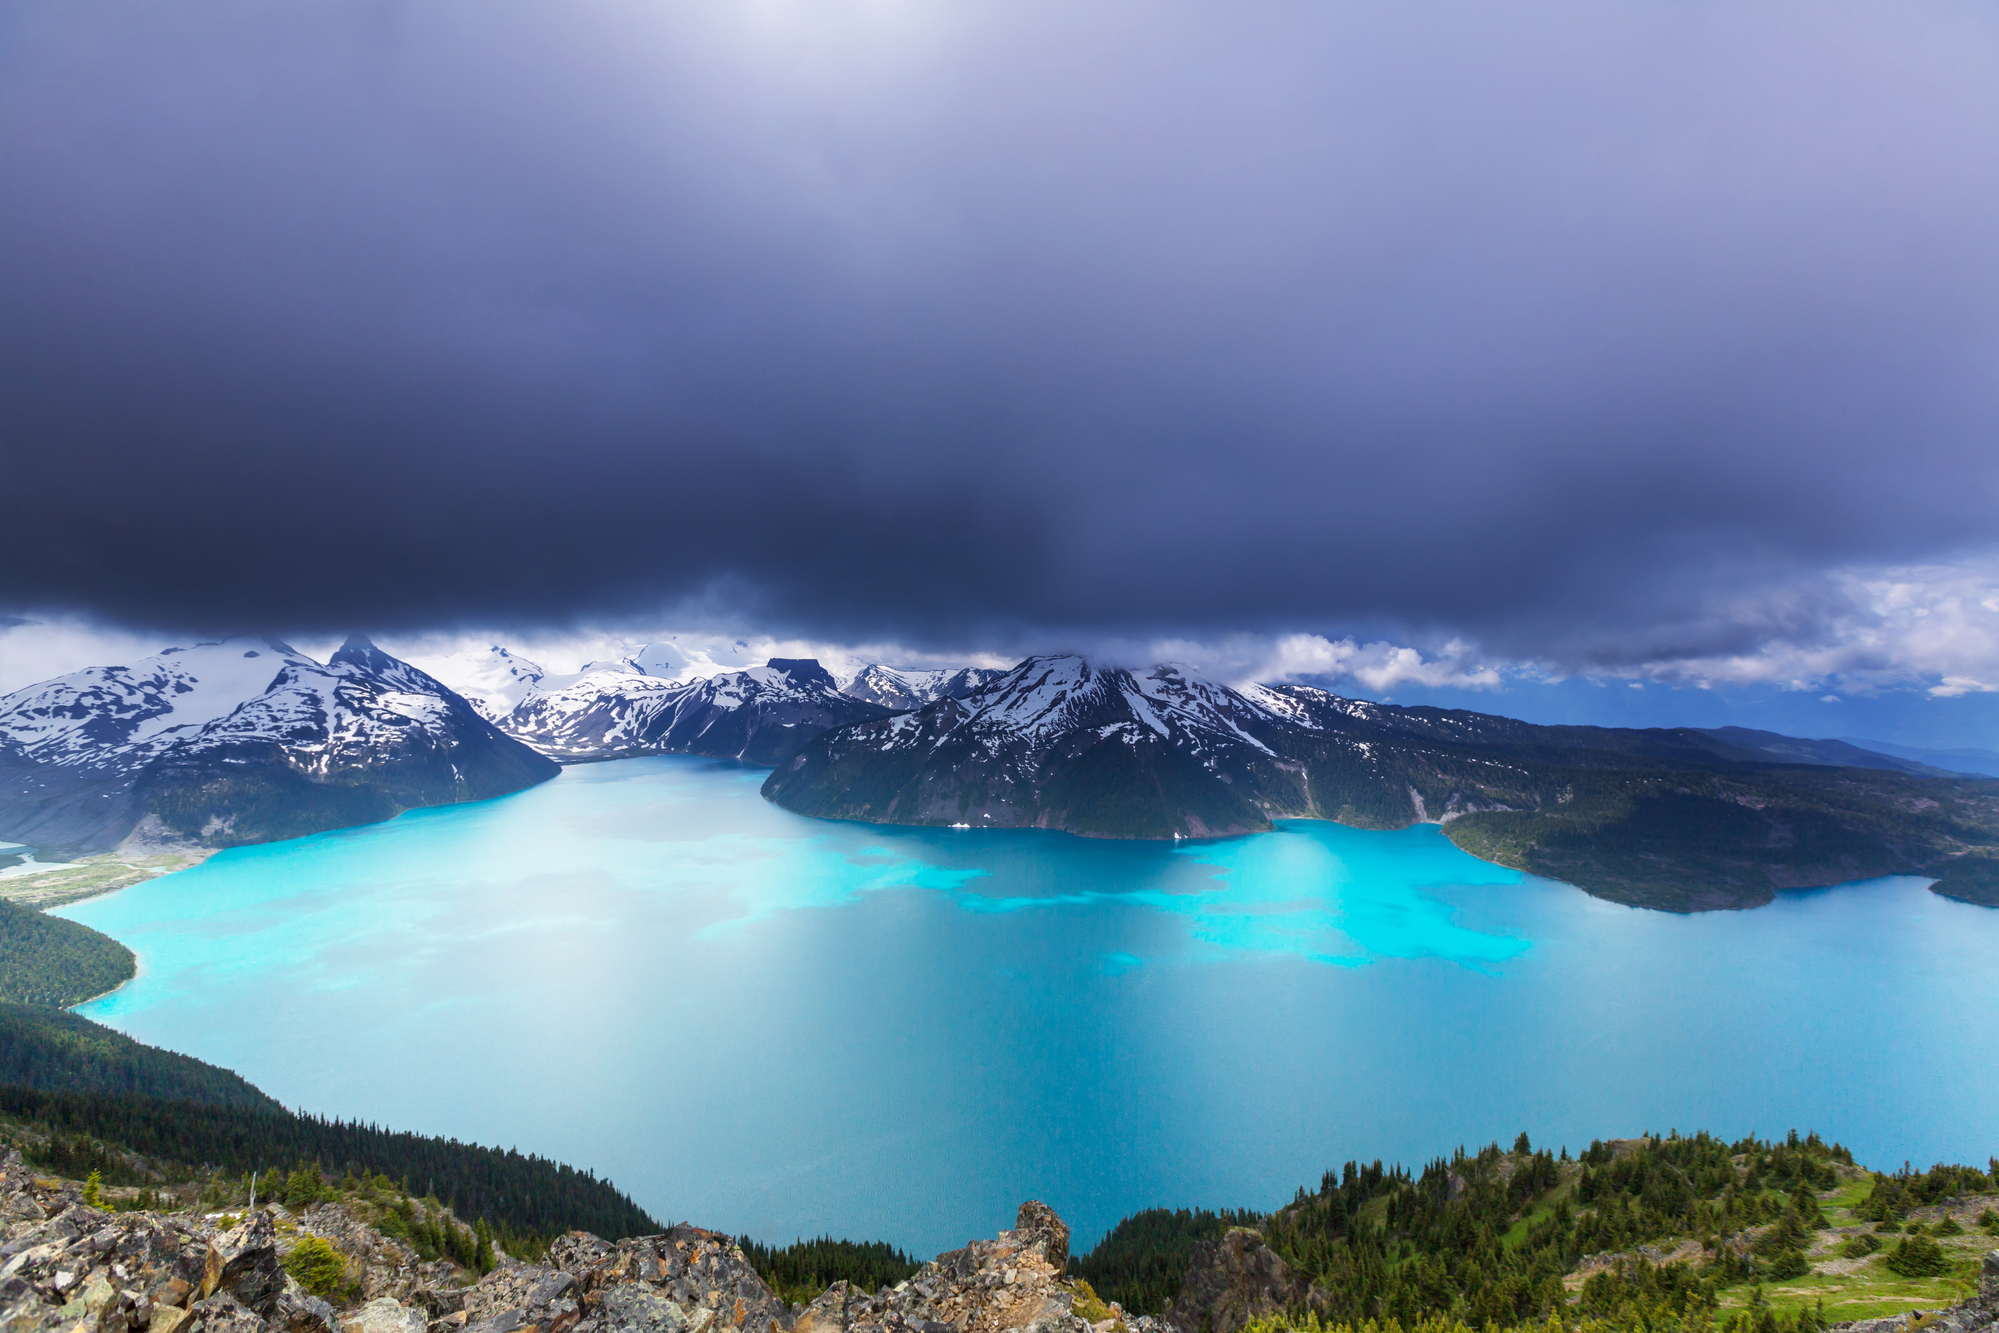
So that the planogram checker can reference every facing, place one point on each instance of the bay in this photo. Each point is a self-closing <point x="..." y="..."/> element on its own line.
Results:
<point x="782" y="1026"/>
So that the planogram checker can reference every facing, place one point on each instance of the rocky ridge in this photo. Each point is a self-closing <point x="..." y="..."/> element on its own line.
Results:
<point x="893" y="688"/>
<point x="1667" y="818"/>
<point x="68" y="1267"/>
<point x="761" y="715"/>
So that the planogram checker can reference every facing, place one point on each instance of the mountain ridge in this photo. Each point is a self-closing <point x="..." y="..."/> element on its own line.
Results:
<point x="1663" y="817"/>
<point x="242" y="740"/>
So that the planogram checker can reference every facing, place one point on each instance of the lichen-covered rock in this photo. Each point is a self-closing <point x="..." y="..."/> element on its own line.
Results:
<point x="1988" y="1282"/>
<point x="519" y="1296"/>
<point x="222" y="1313"/>
<point x="246" y="1265"/>
<point x="1236" y="1278"/>
<point x="385" y="1314"/>
<point x="686" y="1278"/>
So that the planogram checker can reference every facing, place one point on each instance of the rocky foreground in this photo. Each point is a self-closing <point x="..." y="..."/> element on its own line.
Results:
<point x="69" y="1267"/>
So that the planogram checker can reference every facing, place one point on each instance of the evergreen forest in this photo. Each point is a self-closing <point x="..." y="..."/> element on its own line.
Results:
<point x="1656" y="1233"/>
<point x="84" y="1098"/>
<point x="55" y="962"/>
<point x="801" y="1271"/>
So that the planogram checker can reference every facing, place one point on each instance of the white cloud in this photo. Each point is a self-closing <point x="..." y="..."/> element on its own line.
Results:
<point x="1379" y="666"/>
<point x="41" y="649"/>
<point x="1933" y="628"/>
<point x="1929" y="628"/>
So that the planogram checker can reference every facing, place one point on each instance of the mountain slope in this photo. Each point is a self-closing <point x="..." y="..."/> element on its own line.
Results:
<point x="243" y="740"/>
<point x="1839" y="754"/>
<point x="1983" y="763"/>
<point x="761" y="715"/>
<point x="1058" y="742"/>
<point x="1676" y="818"/>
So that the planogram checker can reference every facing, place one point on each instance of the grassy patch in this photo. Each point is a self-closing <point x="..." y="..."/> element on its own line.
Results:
<point x="89" y="876"/>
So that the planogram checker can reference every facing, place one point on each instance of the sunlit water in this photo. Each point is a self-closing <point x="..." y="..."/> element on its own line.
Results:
<point x="784" y="1026"/>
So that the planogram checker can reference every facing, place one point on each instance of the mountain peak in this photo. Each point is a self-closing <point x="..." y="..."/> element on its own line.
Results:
<point x="803" y="671"/>
<point x="359" y="650"/>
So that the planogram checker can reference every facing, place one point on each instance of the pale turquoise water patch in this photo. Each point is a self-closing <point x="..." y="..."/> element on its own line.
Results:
<point x="784" y="1026"/>
<point x="1314" y="890"/>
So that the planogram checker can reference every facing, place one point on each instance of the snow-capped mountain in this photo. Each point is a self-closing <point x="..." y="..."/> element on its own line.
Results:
<point x="1670" y="818"/>
<point x="496" y="680"/>
<point x="493" y="681"/>
<point x="761" y="715"/>
<point x="240" y="741"/>
<point x="1061" y="742"/>
<point x="900" y="690"/>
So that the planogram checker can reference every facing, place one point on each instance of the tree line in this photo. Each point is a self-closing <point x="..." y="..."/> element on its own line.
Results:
<point x="530" y="1195"/>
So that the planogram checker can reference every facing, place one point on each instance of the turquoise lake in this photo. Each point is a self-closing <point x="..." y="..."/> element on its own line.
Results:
<point x="781" y="1026"/>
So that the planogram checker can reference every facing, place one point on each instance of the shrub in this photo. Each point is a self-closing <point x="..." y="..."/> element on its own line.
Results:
<point x="1088" y="1305"/>
<point x="317" y="1266"/>
<point x="1918" y="1256"/>
<point x="1789" y="1264"/>
<point x="1948" y="1227"/>
<point x="1859" y="1247"/>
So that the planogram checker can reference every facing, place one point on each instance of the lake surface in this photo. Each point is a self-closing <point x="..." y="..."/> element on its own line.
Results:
<point x="783" y="1026"/>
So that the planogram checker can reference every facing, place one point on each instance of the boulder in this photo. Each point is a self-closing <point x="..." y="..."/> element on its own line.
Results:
<point x="385" y="1314"/>
<point x="833" y="1311"/>
<point x="1236" y="1278"/>
<point x="522" y="1295"/>
<point x="298" y="1311"/>
<point x="1988" y="1281"/>
<point x="244" y="1262"/>
<point x="1036" y="1224"/>
<point x="223" y="1313"/>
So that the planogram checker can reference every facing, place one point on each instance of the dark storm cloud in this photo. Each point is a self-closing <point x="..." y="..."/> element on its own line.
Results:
<point x="1595" y="331"/>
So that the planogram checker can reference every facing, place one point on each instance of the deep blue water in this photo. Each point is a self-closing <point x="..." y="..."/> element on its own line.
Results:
<point x="783" y="1026"/>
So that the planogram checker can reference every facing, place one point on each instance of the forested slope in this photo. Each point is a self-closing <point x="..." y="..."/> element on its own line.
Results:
<point x="89" y="1095"/>
<point x="53" y="961"/>
<point x="1654" y="1233"/>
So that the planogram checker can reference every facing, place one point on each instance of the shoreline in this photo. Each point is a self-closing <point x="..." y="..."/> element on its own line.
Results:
<point x="93" y="876"/>
<point x="138" y="970"/>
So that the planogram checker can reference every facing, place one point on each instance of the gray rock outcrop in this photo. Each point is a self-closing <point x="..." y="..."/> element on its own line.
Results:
<point x="1012" y="1282"/>
<point x="694" y="1281"/>
<point x="68" y="1266"/>
<point x="1236" y="1278"/>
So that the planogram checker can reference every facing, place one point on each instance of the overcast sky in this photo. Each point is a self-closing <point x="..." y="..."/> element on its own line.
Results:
<point x="1646" y="342"/>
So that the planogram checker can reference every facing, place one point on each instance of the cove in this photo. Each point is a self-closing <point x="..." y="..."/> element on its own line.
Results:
<point x="782" y="1026"/>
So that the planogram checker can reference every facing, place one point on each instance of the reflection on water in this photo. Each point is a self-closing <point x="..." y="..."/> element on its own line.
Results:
<point x="784" y="1026"/>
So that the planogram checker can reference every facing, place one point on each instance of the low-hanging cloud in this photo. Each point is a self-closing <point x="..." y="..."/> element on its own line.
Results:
<point x="1602" y="337"/>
